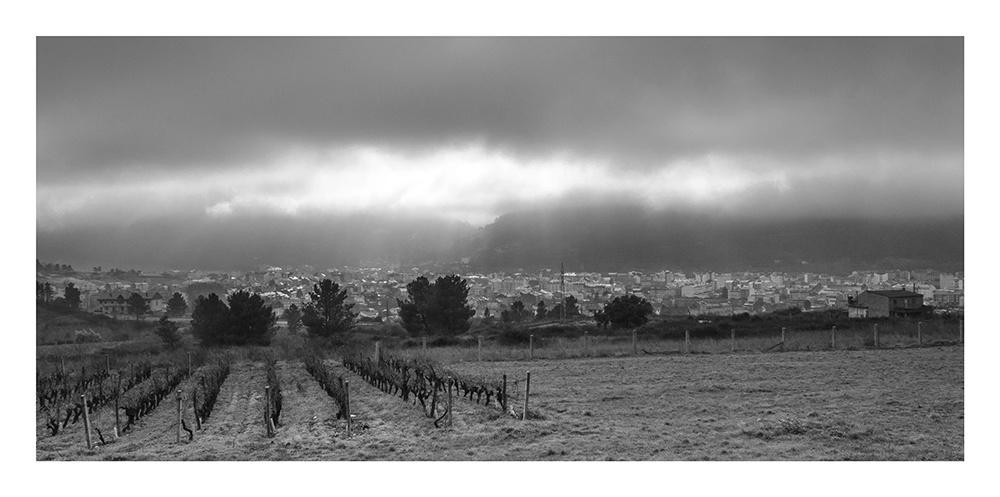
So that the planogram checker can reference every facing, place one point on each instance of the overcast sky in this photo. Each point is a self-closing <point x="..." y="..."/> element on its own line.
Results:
<point x="469" y="128"/>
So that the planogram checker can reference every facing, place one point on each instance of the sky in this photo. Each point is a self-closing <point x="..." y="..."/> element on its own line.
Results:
<point x="132" y="131"/>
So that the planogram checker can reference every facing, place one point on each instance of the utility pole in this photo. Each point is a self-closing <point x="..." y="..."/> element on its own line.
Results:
<point x="562" y="290"/>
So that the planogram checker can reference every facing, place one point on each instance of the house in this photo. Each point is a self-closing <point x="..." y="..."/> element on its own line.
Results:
<point x="885" y="303"/>
<point x="117" y="303"/>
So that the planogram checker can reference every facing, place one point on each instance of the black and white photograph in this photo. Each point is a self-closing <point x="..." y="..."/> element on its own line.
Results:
<point x="498" y="248"/>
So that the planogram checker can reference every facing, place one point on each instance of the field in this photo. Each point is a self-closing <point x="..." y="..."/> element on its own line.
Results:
<point x="889" y="404"/>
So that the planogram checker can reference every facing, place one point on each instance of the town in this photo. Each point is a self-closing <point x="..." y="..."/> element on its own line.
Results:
<point x="376" y="290"/>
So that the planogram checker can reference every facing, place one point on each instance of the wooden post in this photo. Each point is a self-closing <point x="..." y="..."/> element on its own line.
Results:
<point x="479" y="351"/>
<point x="107" y="362"/>
<point x="634" y="351"/>
<point x="449" y="402"/>
<point x="118" y="393"/>
<point x="919" y="338"/>
<point x="586" y="343"/>
<point x="961" y="332"/>
<point x="267" y="410"/>
<point x="347" y="400"/>
<point x="62" y="366"/>
<point x="189" y="364"/>
<point x="503" y="404"/>
<point x="687" y="341"/>
<point x="86" y="421"/>
<point x="732" y="340"/>
<point x="782" y="338"/>
<point x="833" y="338"/>
<point x="178" y="416"/>
<point x="875" y="328"/>
<point x="378" y="351"/>
<point x="531" y="346"/>
<point x="527" y="387"/>
<point x="425" y="343"/>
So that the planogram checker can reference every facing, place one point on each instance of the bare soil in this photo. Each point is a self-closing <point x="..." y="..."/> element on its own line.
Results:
<point x="899" y="404"/>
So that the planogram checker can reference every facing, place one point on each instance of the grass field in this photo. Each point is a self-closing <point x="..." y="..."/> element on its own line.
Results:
<point x="890" y="404"/>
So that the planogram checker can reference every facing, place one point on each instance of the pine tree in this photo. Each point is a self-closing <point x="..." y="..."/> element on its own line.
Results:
<point x="177" y="306"/>
<point x="167" y="331"/>
<point x="328" y="314"/>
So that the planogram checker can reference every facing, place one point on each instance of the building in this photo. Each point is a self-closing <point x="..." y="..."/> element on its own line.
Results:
<point x="117" y="303"/>
<point x="886" y="303"/>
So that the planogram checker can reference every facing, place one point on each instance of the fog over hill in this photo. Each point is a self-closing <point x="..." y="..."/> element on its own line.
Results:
<point x="594" y="238"/>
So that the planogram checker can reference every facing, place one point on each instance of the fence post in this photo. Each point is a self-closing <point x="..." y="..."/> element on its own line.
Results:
<point x="178" y="416"/>
<point x="86" y="421"/>
<point x="875" y="327"/>
<point x="527" y="386"/>
<point x="919" y="338"/>
<point x="833" y="338"/>
<point x="347" y="407"/>
<point x="267" y="410"/>
<point x="531" y="346"/>
<point x="782" y="338"/>
<point x="687" y="341"/>
<point x="479" y="351"/>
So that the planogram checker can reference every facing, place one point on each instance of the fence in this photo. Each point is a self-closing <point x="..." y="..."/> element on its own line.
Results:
<point x="883" y="335"/>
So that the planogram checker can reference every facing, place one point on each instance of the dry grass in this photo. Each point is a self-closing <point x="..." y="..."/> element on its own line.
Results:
<point x="898" y="404"/>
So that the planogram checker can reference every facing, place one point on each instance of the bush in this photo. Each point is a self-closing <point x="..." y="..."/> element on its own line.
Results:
<point x="87" y="336"/>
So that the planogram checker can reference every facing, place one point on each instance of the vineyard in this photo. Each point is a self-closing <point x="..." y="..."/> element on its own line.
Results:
<point x="388" y="405"/>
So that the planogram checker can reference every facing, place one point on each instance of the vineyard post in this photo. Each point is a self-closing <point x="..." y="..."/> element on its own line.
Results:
<point x="347" y="407"/>
<point x="107" y="362"/>
<point x="503" y="403"/>
<point x="961" y="332"/>
<point x="267" y="410"/>
<point x="527" y="387"/>
<point x="425" y="343"/>
<point x="189" y="364"/>
<point x="782" y="338"/>
<point x="62" y="366"/>
<point x="732" y="340"/>
<point x="633" y="343"/>
<point x="479" y="353"/>
<point x="875" y="330"/>
<point x="586" y="343"/>
<point x="179" y="416"/>
<point x="449" y="402"/>
<point x="531" y="346"/>
<point x="919" y="338"/>
<point x="687" y="341"/>
<point x="378" y="351"/>
<point x="86" y="421"/>
<point x="118" y="393"/>
<point x="833" y="338"/>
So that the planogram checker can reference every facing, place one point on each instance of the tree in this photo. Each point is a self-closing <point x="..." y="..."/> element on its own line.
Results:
<point x="452" y="312"/>
<point x="44" y="292"/>
<point x="177" y="306"/>
<point x="572" y="307"/>
<point x="601" y="318"/>
<point x="293" y="316"/>
<point x="418" y="305"/>
<point x="517" y="312"/>
<point x="328" y="313"/>
<point x="167" y="331"/>
<point x="628" y="312"/>
<point x="439" y="307"/>
<point x="137" y="305"/>
<point x="486" y="315"/>
<point x="72" y="296"/>
<point x="210" y="320"/>
<point x="251" y="321"/>
<point x="540" y="312"/>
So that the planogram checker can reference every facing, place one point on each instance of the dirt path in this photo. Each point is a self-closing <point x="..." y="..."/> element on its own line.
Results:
<point x="235" y="429"/>
<point x="308" y="428"/>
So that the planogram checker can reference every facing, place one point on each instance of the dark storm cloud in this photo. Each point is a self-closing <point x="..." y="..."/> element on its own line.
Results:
<point x="109" y="104"/>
